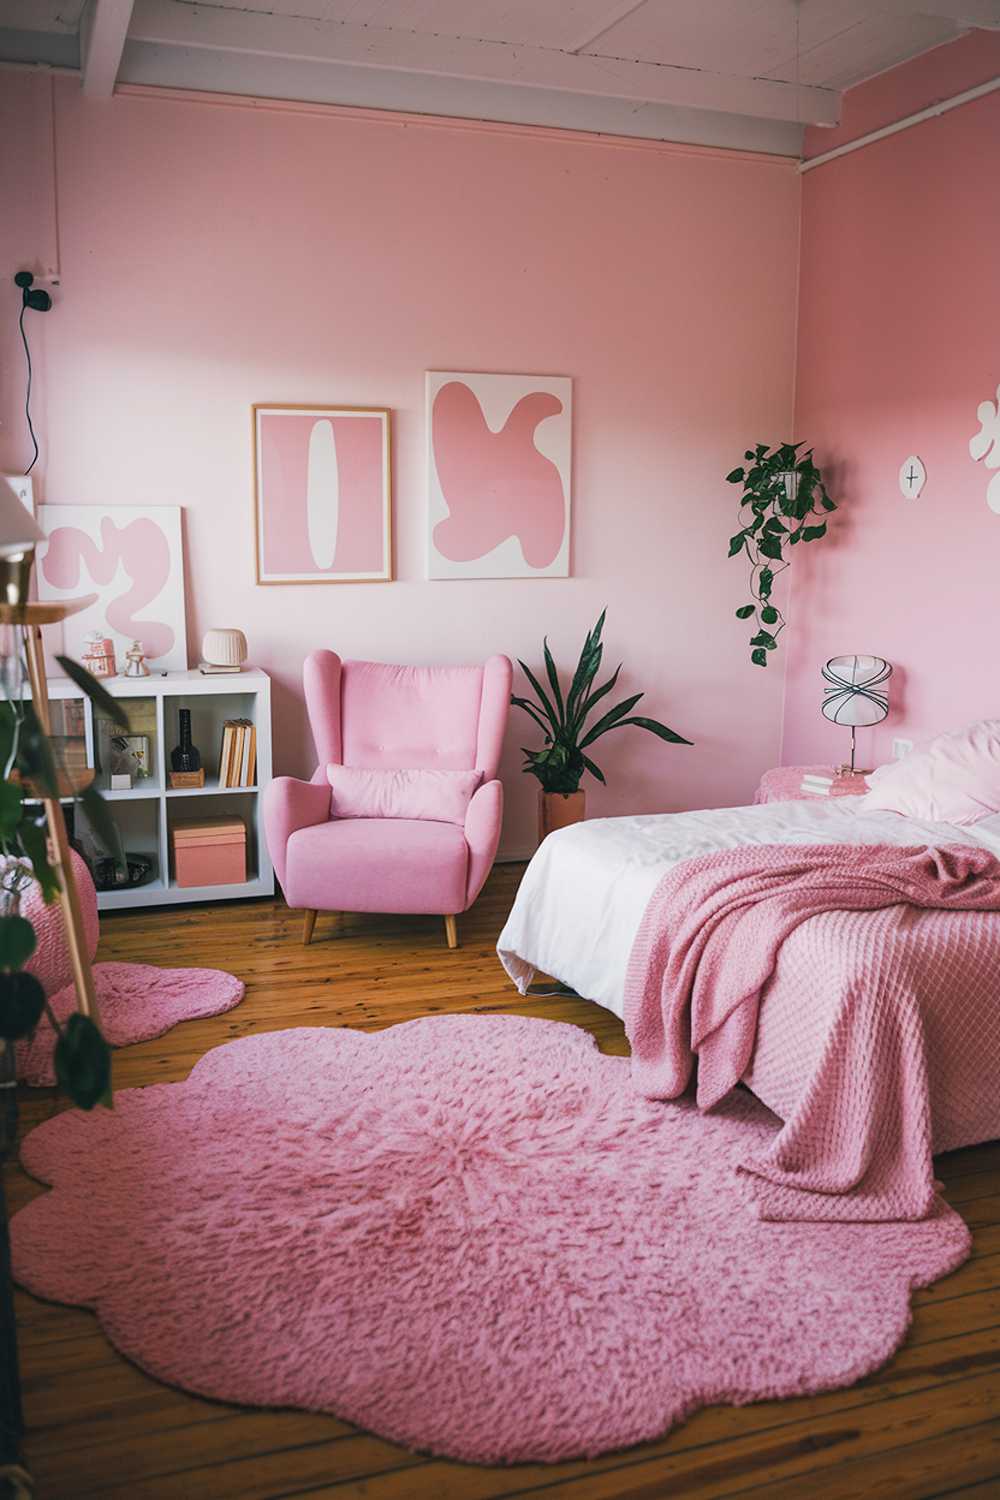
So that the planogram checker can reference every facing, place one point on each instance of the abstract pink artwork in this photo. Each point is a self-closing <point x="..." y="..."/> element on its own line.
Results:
<point x="322" y="494"/>
<point x="131" y="558"/>
<point x="498" y="459"/>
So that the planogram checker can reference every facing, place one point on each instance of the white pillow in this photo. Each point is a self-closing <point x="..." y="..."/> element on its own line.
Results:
<point x="955" y="780"/>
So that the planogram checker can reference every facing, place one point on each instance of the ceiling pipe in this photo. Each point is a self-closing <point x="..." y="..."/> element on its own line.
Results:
<point x="930" y="113"/>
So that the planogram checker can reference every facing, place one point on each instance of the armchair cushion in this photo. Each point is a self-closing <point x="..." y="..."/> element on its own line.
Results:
<point x="378" y="865"/>
<point x="439" y="796"/>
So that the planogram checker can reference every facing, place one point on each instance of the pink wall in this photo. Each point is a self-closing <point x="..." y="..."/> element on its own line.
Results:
<point x="213" y="256"/>
<point x="898" y="345"/>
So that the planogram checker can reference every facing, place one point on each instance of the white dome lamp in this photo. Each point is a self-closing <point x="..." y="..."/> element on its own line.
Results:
<point x="223" y="651"/>
<point x="858" y="695"/>
<point x="19" y="535"/>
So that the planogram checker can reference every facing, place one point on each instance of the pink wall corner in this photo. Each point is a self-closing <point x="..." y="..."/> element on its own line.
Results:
<point x="899" y="313"/>
<point x="939" y="74"/>
<point x="216" y="255"/>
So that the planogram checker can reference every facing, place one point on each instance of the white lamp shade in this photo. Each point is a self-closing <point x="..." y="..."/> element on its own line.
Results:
<point x="18" y="528"/>
<point x="224" y="648"/>
<point x="857" y="693"/>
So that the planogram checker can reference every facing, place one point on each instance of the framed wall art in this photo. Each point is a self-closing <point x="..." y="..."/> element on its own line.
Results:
<point x="131" y="557"/>
<point x="499" y="451"/>
<point x="322" y="494"/>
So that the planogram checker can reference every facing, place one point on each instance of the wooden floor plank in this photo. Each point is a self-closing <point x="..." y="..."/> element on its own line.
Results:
<point x="99" y="1426"/>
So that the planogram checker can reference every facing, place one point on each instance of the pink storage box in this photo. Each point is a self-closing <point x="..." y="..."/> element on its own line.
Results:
<point x="210" y="851"/>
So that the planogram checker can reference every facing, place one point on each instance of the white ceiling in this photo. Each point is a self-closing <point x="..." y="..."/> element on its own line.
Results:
<point x="725" y="72"/>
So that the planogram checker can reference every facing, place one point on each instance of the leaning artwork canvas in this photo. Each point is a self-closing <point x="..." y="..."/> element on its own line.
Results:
<point x="131" y="557"/>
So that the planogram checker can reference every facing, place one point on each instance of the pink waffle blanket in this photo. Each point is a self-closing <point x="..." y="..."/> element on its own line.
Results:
<point x="857" y="1142"/>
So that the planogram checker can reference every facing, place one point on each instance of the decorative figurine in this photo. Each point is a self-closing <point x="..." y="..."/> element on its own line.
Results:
<point x="99" y="655"/>
<point x="135" y="659"/>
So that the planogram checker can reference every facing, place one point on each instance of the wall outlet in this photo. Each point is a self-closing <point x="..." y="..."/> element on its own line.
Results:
<point x="901" y="748"/>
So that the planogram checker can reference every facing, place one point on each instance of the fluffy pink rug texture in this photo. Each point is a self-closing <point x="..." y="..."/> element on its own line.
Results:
<point x="467" y="1234"/>
<point x="137" y="1002"/>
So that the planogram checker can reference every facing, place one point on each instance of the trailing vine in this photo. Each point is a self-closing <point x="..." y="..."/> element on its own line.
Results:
<point x="774" y="514"/>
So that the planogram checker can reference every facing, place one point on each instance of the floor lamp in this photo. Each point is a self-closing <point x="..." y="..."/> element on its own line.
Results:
<point x="18" y="535"/>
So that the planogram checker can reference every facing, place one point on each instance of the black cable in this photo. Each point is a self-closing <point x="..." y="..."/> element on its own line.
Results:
<point x="27" y="394"/>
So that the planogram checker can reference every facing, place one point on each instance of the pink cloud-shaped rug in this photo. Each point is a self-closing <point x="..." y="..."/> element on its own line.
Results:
<point x="136" y="1002"/>
<point x="465" y="1233"/>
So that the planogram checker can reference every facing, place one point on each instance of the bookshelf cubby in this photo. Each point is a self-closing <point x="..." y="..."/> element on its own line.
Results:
<point x="147" y="811"/>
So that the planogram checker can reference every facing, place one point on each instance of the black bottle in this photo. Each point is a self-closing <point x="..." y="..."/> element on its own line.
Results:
<point x="184" y="757"/>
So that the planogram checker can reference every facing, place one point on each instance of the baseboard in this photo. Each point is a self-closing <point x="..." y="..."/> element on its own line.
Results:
<point x="514" y="856"/>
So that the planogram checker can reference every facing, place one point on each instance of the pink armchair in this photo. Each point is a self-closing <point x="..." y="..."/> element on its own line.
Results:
<point x="364" y="713"/>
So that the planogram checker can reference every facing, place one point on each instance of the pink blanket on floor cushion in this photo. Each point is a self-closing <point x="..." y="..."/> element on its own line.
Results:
<point x="858" y="1143"/>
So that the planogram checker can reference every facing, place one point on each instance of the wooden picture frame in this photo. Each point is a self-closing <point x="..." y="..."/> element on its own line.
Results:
<point x="322" y="493"/>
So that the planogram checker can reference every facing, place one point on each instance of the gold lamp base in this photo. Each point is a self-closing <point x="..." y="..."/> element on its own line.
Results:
<point x="15" y="576"/>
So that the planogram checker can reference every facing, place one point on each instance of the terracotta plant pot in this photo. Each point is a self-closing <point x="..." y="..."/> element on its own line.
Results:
<point x="559" y="810"/>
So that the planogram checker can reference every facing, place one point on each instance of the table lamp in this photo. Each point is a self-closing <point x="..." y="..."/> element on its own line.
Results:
<point x="19" y="533"/>
<point x="857" y="695"/>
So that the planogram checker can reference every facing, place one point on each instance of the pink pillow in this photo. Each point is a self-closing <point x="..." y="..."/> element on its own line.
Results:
<point x="955" y="780"/>
<point x="438" y="796"/>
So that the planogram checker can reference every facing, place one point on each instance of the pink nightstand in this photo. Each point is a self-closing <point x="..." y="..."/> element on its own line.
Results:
<point x="784" y="784"/>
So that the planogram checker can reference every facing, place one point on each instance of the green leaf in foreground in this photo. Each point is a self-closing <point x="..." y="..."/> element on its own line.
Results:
<point x="83" y="1062"/>
<point x="95" y="690"/>
<point x="17" y="942"/>
<point x="22" y="1000"/>
<point x="99" y="818"/>
<point x="34" y="837"/>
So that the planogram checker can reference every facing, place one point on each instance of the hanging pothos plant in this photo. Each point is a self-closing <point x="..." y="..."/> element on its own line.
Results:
<point x="783" y="495"/>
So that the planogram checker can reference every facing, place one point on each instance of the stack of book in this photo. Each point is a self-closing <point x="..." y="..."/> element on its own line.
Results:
<point x="815" y="785"/>
<point x="238" y="754"/>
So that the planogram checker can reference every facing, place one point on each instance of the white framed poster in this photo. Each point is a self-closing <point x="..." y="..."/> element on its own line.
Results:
<point x="131" y="557"/>
<point x="499" y="459"/>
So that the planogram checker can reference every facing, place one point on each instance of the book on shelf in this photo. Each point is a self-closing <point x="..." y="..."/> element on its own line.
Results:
<point x="209" y="669"/>
<point x="238" y="754"/>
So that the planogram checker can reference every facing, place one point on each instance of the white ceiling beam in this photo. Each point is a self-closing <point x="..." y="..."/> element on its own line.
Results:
<point x="103" y="29"/>
<point x="166" y="23"/>
<point x="612" y="18"/>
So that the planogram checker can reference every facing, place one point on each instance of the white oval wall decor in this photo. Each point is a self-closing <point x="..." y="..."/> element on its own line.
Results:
<point x="985" y="444"/>
<point x="912" y="477"/>
<point x="323" y="494"/>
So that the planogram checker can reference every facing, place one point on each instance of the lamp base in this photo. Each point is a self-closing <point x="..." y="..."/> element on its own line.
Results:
<point x="15" y="577"/>
<point x="849" y="770"/>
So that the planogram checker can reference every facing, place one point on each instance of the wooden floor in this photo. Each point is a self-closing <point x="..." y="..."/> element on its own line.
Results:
<point x="926" y="1425"/>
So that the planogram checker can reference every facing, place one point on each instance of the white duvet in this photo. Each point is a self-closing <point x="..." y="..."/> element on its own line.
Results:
<point x="584" y="892"/>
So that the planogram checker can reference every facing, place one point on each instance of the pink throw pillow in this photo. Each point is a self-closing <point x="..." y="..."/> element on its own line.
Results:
<point x="437" y="796"/>
<point x="955" y="780"/>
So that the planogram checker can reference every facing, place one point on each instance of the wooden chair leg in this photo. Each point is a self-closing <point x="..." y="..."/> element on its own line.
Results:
<point x="451" y="931"/>
<point x="307" y="930"/>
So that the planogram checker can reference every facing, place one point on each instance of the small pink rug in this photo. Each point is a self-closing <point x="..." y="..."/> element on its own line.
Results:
<point x="465" y="1233"/>
<point x="136" y="1002"/>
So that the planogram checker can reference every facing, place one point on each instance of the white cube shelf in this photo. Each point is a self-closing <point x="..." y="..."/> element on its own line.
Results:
<point x="147" y="812"/>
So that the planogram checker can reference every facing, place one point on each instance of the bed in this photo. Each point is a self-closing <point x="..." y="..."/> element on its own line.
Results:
<point x="585" y="892"/>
